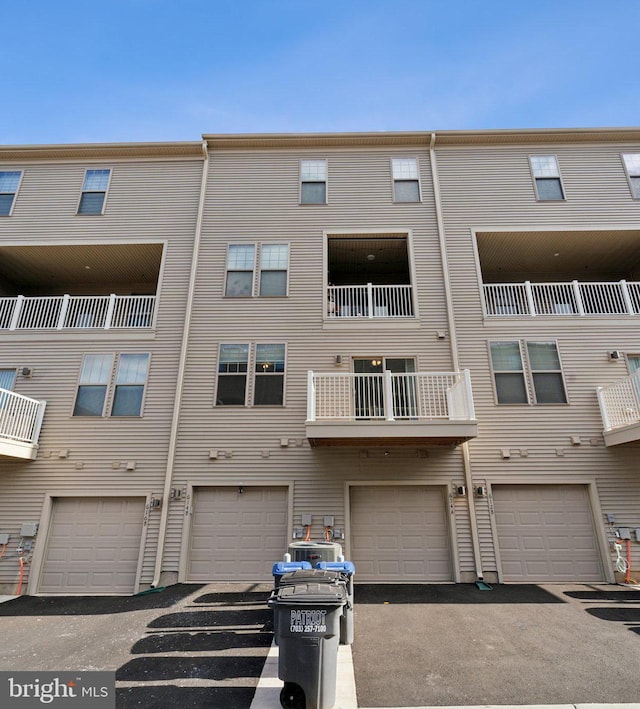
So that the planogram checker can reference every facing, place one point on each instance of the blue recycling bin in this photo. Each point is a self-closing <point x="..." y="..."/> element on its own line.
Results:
<point x="280" y="568"/>
<point x="347" y="570"/>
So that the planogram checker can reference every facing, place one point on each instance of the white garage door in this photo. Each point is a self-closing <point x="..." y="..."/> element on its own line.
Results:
<point x="93" y="545"/>
<point x="237" y="536"/>
<point x="546" y="533"/>
<point x="400" y="533"/>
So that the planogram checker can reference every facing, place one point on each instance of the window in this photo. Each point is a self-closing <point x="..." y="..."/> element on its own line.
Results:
<point x="546" y="176"/>
<point x="633" y="364"/>
<point x="128" y="390"/>
<point x="266" y="387"/>
<point x="9" y="183"/>
<point x="632" y="166"/>
<point x="274" y="264"/>
<point x="522" y="366"/>
<point x="94" y="191"/>
<point x="406" y="182"/>
<point x="7" y="379"/>
<point x="313" y="182"/>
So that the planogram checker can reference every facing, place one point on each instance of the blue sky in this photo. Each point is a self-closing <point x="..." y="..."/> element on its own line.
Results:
<point x="138" y="70"/>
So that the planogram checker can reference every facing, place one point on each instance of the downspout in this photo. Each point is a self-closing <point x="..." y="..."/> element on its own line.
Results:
<point x="177" y="405"/>
<point x="453" y="339"/>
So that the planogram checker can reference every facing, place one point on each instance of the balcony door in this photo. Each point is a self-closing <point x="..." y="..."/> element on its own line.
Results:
<point x="369" y="387"/>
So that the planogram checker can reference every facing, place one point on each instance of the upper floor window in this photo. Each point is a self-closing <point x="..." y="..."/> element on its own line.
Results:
<point x="266" y="385"/>
<point x="313" y="182"/>
<point x="7" y="379"/>
<point x="128" y="388"/>
<point x="94" y="191"/>
<point x="520" y="367"/>
<point x="546" y="176"/>
<point x="9" y="183"/>
<point x="632" y="166"/>
<point x="406" y="181"/>
<point x="272" y="277"/>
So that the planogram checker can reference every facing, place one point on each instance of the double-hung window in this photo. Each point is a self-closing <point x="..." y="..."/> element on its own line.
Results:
<point x="546" y="176"/>
<point x="94" y="191"/>
<point x="9" y="183"/>
<point x="632" y="167"/>
<point x="266" y="385"/>
<point x="406" y="180"/>
<point x="272" y="277"/>
<point x="95" y="383"/>
<point x="520" y="367"/>
<point x="313" y="182"/>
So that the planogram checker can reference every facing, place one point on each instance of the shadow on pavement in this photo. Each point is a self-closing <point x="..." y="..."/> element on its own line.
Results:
<point x="96" y="605"/>
<point x="200" y="642"/>
<point x="198" y="619"/>
<point x="459" y="593"/>
<point x="184" y="697"/>
<point x="624" y="615"/>
<point x="618" y="596"/>
<point x="246" y="598"/>
<point x="149" y="669"/>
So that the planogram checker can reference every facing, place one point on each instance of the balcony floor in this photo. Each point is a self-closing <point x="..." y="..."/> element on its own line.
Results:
<point x="18" y="449"/>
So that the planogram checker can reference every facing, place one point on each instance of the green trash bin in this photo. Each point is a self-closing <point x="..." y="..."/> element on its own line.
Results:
<point x="308" y="618"/>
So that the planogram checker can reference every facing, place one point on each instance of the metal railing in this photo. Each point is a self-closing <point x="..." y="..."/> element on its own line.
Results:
<point x="20" y="417"/>
<point x="369" y="301"/>
<point x="76" y="312"/>
<point x="562" y="299"/>
<point x="390" y="396"/>
<point x="620" y="402"/>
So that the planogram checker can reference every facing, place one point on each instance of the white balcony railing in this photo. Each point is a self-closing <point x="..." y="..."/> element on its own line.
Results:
<point x="620" y="402"/>
<point x="76" y="312"/>
<point x="390" y="396"/>
<point x="370" y="301"/>
<point x="562" y="299"/>
<point x="20" y="417"/>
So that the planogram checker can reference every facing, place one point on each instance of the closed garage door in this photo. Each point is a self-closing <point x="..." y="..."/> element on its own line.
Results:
<point x="237" y="536"/>
<point x="400" y="533"/>
<point x="546" y="533"/>
<point x="93" y="545"/>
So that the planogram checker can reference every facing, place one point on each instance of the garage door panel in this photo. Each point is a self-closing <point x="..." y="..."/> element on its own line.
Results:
<point x="560" y="546"/>
<point x="400" y="533"/>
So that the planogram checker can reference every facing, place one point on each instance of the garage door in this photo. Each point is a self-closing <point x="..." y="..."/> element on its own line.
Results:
<point x="546" y="533"/>
<point x="237" y="536"/>
<point x="93" y="545"/>
<point x="400" y="533"/>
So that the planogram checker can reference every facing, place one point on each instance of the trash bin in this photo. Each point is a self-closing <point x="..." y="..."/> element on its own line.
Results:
<point x="309" y="630"/>
<point x="280" y="568"/>
<point x="346" y="569"/>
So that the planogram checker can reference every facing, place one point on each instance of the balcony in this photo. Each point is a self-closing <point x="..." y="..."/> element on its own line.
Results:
<point x="620" y="409"/>
<point x="562" y="299"/>
<point x="20" y="422"/>
<point x="369" y="301"/>
<point x="401" y="409"/>
<point x="66" y="312"/>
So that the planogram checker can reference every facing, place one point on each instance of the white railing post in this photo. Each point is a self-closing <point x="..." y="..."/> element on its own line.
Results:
<point x="603" y="409"/>
<point x="626" y="296"/>
<point x="110" y="309"/>
<point x="388" y="396"/>
<point x="578" y="296"/>
<point x="311" y="397"/>
<point x="63" y="311"/>
<point x="16" y="312"/>
<point x="370" y="299"/>
<point x="471" y="412"/>
<point x="530" y="302"/>
<point x="35" y="435"/>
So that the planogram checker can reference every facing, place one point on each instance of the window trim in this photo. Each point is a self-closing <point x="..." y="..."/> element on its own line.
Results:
<point x="256" y="272"/>
<point x="629" y="175"/>
<point x="535" y="179"/>
<point x="115" y="385"/>
<point x="83" y="191"/>
<point x="254" y="347"/>
<point x="15" y="376"/>
<point x="15" y="194"/>
<point x="528" y="372"/>
<point x="325" y="181"/>
<point x="394" y="180"/>
<point x="627" y="357"/>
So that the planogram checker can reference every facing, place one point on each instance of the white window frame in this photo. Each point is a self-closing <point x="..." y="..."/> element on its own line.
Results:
<point x="110" y="386"/>
<point x="325" y="181"/>
<point x="15" y="375"/>
<point x="557" y="176"/>
<point x="628" y="357"/>
<point x="257" y="270"/>
<point x="527" y="372"/>
<point x="83" y="191"/>
<point x="15" y="194"/>
<point x="634" y="173"/>
<point x="250" y="374"/>
<point x="395" y="179"/>
<point x="116" y="373"/>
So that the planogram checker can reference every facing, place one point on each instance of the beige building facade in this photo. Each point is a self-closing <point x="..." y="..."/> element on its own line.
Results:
<point x="419" y="345"/>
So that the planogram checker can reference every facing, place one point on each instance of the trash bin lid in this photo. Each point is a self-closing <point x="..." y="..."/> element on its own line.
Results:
<point x="283" y="567"/>
<point x="307" y="575"/>
<point x="344" y="567"/>
<point x="313" y="594"/>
